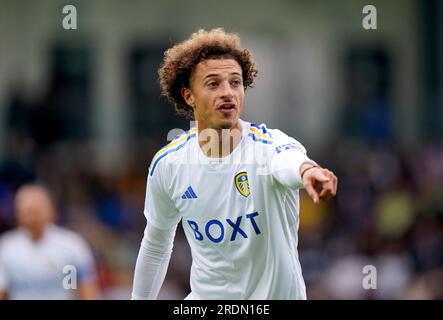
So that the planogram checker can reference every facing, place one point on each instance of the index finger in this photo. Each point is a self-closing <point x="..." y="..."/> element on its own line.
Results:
<point x="312" y="192"/>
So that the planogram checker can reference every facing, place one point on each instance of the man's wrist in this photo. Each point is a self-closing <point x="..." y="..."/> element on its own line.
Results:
<point x="306" y="166"/>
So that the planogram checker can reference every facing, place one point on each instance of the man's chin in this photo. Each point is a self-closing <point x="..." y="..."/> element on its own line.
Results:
<point x="227" y="124"/>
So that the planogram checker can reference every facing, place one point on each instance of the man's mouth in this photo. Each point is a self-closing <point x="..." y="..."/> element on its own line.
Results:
<point x="226" y="106"/>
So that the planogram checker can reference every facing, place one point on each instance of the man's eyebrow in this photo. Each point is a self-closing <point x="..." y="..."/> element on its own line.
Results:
<point x="210" y="75"/>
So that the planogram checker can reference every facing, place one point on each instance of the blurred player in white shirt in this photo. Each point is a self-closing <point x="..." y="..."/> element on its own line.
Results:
<point x="39" y="260"/>
<point x="233" y="184"/>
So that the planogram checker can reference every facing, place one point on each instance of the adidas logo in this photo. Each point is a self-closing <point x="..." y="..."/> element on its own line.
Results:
<point x="189" y="194"/>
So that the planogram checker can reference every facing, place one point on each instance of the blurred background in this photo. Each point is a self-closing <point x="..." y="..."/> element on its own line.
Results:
<point x="81" y="111"/>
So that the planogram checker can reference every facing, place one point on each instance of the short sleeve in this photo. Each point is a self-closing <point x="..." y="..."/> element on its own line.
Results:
<point x="160" y="209"/>
<point x="286" y="160"/>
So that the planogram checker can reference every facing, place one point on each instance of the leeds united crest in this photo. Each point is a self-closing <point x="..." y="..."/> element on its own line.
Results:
<point x="242" y="184"/>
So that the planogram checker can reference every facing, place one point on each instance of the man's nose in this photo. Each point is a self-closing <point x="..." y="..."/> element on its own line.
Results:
<point x="226" y="90"/>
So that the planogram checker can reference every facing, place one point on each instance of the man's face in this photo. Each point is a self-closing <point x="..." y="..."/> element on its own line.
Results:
<point x="216" y="93"/>
<point x="34" y="209"/>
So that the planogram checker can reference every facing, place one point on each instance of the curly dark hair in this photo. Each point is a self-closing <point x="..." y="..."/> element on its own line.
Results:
<point x="180" y="60"/>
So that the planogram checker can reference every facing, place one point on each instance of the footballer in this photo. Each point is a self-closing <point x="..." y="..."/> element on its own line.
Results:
<point x="233" y="184"/>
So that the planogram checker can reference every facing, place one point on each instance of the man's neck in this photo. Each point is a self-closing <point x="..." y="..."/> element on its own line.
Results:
<point x="219" y="143"/>
<point x="35" y="234"/>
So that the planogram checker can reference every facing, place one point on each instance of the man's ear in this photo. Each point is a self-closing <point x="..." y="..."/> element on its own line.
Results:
<point x="188" y="96"/>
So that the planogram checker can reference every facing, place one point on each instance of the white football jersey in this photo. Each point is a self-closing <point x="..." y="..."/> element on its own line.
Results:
<point x="46" y="269"/>
<point x="240" y="222"/>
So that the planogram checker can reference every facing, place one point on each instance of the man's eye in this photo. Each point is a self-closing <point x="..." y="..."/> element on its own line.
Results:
<point x="236" y="83"/>
<point x="212" y="84"/>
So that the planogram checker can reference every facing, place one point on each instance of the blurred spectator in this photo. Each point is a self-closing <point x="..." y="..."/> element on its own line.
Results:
<point x="34" y="256"/>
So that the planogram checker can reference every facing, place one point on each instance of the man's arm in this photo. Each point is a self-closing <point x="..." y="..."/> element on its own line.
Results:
<point x="88" y="290"/>
<point x="162" y="218"/>
<point x="291" y="167"/>
<point x="152" y="262"/>
<point x="88" y="285"/>
<point x="3" y="277"/>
